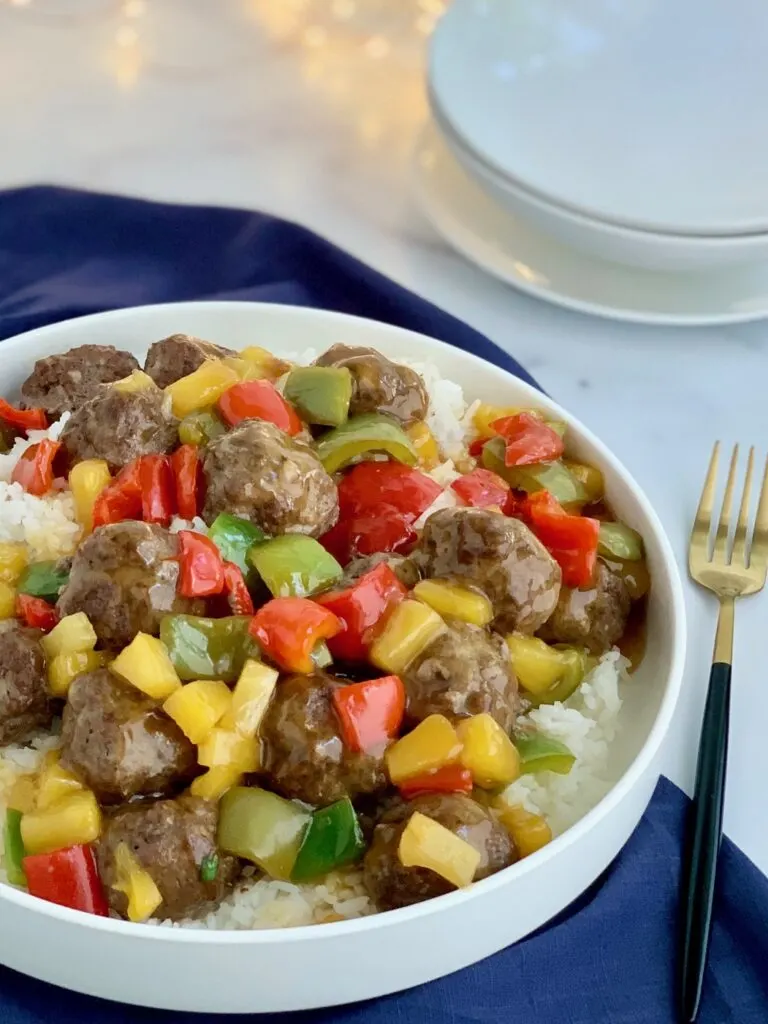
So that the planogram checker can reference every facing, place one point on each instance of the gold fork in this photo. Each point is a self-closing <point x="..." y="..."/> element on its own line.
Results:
<point x="730" y="568"/>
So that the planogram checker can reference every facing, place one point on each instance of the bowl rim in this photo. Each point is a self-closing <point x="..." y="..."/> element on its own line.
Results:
<point x="643" y="761"/>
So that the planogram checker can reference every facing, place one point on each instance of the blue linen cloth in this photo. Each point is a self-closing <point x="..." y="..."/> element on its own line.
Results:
<point x="610" y="958"/>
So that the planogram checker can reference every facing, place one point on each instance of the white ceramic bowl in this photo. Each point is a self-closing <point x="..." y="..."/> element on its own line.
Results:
<point x="302" y="968"/>
<point x="615" y="243"/>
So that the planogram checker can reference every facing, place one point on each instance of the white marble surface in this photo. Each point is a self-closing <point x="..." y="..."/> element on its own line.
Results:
<point x="258" y="103"/>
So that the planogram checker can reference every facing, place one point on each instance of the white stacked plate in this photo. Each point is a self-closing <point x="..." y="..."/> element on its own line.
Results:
<point x="626" y="132"/>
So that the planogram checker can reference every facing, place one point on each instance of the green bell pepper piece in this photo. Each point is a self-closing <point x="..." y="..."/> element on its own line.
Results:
<point x="542" y="476"/>
<point x="321" y="393"/>
<point x="43" y="579"/>
<point x="234" y="537"/>
<point x="199" y="428"/>
<point x="294" y="565"/>
<point x="541" y="753"/>
<point x="371" y="432"/>
<point x="334" y="838"/>
<point x="203" y="648"/>
<point x="616" y="540"/>
<point x="14" y="848"/>
<point x="262" y="827"/>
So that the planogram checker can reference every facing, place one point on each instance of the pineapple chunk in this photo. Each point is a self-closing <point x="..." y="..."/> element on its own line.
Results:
<point x="137" y="884"/>
<point x="202" y="388"/>
<point x="487" y="751"/>
<point x="146" y="664"/>
<point x="250" y="699"/>
<point x="7" y="600"/>
<point x="87" y="480"/>
<point x="73" y="821"/>
<point x="455" y="601"/>
<point x="65" y="668"/>
<point x="529" y="831"/>
<point x="425" y="843"/>
<point x="54" y="783"/>
<point x="432" y="745"/>
<point x="216" y="781"/>
<point x="198" y="706"/>
<point x="13" y="561"/>
<point x="411" y="627"/>
<point x="72" y="633"/>
<point x="223" y="748"/>
<point x="137" y="380"/>
<point x="425" y="444"/>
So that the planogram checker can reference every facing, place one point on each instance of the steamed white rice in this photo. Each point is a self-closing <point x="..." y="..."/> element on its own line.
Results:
<point x="587" y="723"/>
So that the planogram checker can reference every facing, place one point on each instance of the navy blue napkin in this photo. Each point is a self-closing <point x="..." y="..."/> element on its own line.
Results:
<point x="609" y="959"/>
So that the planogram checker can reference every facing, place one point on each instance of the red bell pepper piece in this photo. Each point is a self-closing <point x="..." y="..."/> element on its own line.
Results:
<point x="68" y="877"/>
<point x="289" y="629"/>
<point x="452" y="778"/>
<point x="258" y="400"/>
<point x="236" y="589"/>
<point x="34" y="470"/>
<point x="383" y="530"/>
<point x="201" y="569"/>
<point x="186" y="472"/>
<point x="528" y="440"/>
<point x="361" y="609"/>
<point x="25" y="419"/>
<point x="158" y="497"/>
<point x="36" y="612"/>
<point x="481" y="489"/>
<point x="121" y="498"/>
<point x="476" y="447"/>
<point x="370" y="713"/>
<point x="571" y="540"/>
<point x="371" y="485"/>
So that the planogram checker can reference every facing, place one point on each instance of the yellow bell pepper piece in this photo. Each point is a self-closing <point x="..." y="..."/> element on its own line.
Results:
<point x="250" y="699"/>
<point x="72" y="633"/>
<point x="264" y="362"/>
<point x="216" y="781"/>
<point x="537" y="665"/>
<point x="529" y="831"/>
<point x="23" y="794"/>
<point x="202" y="388"/>
<point x="13" y="561"/>
<point x="411" y="628"/>
<point x="138" y="885"/>
<point x="65" y="668"/>
<point x="223" y="748"/>
<point x="7" y="600"/>
<point x="425" y="843"/>
<point x="198" y="706"/>
<point x="432" y="744"/>
<point x="54" y="783"/>
<point x="487" y="751"/>
<point x="69" y="822"/>
<point x="425" y="444"/>
<point x="87" y="480"/>
<point x="137" y="380"/>
<point x="454" y="601"/>
<point x="146" y="664"/>
<point x="485" y="415"/>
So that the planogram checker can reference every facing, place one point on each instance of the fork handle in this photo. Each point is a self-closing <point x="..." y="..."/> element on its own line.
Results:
<point x="706" y="830"/>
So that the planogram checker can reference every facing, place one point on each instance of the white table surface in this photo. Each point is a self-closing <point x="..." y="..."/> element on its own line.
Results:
<point x="268" y="104"/>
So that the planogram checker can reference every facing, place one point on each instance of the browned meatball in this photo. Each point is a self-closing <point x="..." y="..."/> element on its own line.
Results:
<point x="391" y="885"/>
<point x="120" y="426"/>
<point x="119" y="742"/>
<point x="170" y="839"/>
<point x="466" y="671"/>
<point x="24" y="701"/>
<point x="401" y="566"/>
<point x="302" y="749"/>
<point x="179" y="355"/>
<point x="259" y="473"/>
<point x="378" y="384"/>
<point x="499" y="555"/>
<point x="594" y="618"/>
<point x="124" y="578"/>
<point x="64" y="382"/>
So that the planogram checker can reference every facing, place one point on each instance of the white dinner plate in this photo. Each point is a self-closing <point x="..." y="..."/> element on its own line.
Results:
<point x="510" y="249"/>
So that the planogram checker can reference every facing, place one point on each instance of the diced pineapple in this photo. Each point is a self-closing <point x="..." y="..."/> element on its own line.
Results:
<point x="13" y="561"/>
<point x="72" y="633"/>
<point x="72" y="821"/>
<point x="431" y="745"/>
<point x="250" y="699"/>
<point x="425" y="843"/>
<point x="65" y="668"/>
<point x="487" y="751"/>
<point x="485" y="414"/>
<point x="137" y="884"/>
<point x="202" y="388"/>
<point x="54" y="783"/>
<point x="411" y="627"/>
<point x="87" y="480"/>
<point x="23" y="794"/>
<point x="198" y="706"/>
<point x="216" y="781"/>
<point x="146" y="664"/>
<point x="537" y="665"/>
<point x="135" y="381"/>
<point x="267" y="364"/>
<point x="425" y="444"/>
<point x="223" y="748"/>
<point x="452" y="600"/>
<point x="7" y="600"/>
<point x="529" y="831"/>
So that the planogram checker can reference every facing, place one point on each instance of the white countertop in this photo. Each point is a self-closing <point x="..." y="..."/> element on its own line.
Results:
<point x="268" y="104"/>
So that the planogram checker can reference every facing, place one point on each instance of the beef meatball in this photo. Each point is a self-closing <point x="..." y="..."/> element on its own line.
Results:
<point x="594" y="618"/>
<point x="170" y="839"/>
<point x="178" y="356"/>
<point x="64" y="382"/>
<point x="119" y="742"/>
<point x="24" y="701"/>
<point x="401" y="566"/>
<point x="378" y="384"/>
<point x="303" y="752"/>
<point x="498" y="554"/>
<point x="392" y="885"/>
<point x="259" y="473"/>
<point x="465" y="671"/>
<point x="120" y="426"/>
<point x="124" y="578"/>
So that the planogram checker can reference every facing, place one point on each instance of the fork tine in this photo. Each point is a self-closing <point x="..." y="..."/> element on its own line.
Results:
<point x="740" y="555"/>
<point x="759" y="550"/>
<point x="721" y="538"/>
<point x="702" y="524"/>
